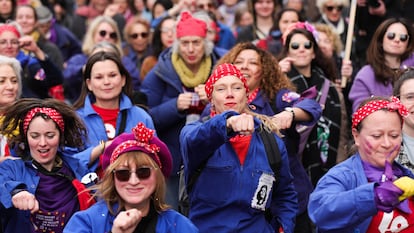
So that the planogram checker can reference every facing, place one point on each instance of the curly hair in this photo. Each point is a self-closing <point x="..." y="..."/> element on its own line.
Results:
<point x="73" y="135"/>
<point x="273" y="79"/>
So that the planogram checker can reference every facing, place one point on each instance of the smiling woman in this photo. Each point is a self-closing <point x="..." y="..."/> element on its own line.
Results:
<point x="226" y="144"/>
<point x="371" y="187"/>
<point x="105" y="104"/>
<point x="47" y="128"/>
<point x="132" y="190"/>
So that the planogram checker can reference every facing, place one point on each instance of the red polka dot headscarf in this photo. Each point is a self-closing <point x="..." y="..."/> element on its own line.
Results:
<point x="219" y="72"/>
<point x="372" y="106"/>
<point x="141" y="139"/>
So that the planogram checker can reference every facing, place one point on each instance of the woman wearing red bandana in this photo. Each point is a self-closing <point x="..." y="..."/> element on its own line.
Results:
<point x="369" y="192"/>
<point x="41" y="190"/>
<point x="236" y="186"/>
<point x="132" y="191"/>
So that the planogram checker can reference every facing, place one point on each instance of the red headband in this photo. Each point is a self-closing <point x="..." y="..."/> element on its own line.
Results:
<point x="10" y="28"/>
<point x="219" y="72"/>
<point x="375" y="105"/>
<point x="50" y="112"/>
<point x="143" y="135"/>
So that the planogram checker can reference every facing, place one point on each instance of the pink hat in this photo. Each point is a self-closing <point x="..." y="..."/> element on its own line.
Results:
<point x="141" y="139"/>
<point x="190" y="26"/>
<point x="220" y="71"/>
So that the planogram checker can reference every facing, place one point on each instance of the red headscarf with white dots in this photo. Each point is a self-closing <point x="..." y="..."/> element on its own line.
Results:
<point x="375" y="105"/>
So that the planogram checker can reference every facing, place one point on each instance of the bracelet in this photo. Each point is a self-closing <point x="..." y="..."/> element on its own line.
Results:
<point x="288" y="109"/>
<point x="102" y="143"/>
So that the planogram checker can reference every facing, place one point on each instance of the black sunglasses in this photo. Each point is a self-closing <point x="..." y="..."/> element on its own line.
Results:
<point x="143" y="35"/>
<point x="403" y="37"/>
<point x="203" y="6"/>
<point x="124" y="174"/>
<point x="331" y="8"/>
<point x="112" y="35"/>
<point x="296" y="45"/>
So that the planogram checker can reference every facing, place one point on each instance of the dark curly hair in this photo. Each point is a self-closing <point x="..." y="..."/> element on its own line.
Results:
<point x="273" y="79"/>
<point x="73" y="135"/>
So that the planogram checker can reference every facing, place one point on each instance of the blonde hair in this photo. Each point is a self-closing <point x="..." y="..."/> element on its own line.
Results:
<point x="88" y="41"/>
<point x="321" y="3"/>
<point x="106" y="190"/>
<point x="15" y="65"/>
<point x="332" y="35"/>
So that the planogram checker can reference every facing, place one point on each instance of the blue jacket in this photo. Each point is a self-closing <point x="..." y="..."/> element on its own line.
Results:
<point x="21" y="174"/>
<point x="226" y="37"/>
<point x="222" y="198"/>
<point x="73" y="77"/>
<point x="98" y="219"/>
<point x="66" y="41"/>
<point x="96" y="128"/>
<point x="285" y="98"/>
<point x="38" y="76"/>
<point x="343" y="200"/>
<point x="162" y="85"/>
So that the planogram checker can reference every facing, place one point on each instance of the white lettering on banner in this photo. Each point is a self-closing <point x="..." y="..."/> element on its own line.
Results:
<point x="391" y="224"/>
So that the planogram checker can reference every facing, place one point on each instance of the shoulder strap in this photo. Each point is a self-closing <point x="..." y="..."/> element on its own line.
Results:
<point x="325" y="90"/>
<point x="195" y="176"/>
<point x="275" y="161"/>
<point x="123" y="122"/>
<point x="272" y="152"/>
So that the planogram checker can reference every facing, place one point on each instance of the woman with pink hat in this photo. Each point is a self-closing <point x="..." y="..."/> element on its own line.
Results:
<point x="132" y="191"/>
<point x="237" y="189"/>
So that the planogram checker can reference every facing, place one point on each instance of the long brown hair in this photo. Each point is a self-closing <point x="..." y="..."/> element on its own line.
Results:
<point x="376" y="54"/>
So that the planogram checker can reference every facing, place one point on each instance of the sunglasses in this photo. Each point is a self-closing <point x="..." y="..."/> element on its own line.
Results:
<point x="205" y="6"/>
<point x="123" y="175"/>
<point x="306" y="45"/>
<point x="331" y="8"/>
<point x="143" y="35"/>
<point x="112" y="35"/>
<point x="392" y="35"/>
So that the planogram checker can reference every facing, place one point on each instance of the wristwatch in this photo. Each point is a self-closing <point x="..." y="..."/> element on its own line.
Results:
<point x="289" y="109"/>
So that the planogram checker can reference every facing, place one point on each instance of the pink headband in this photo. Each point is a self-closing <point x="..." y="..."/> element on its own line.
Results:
<point x="50" y="112"/>
<point x="301" y="25"/>
<point x="143" y="135"/>
<point x="10" y="28"/>
<point x="220" y="71"/>
<point x="375" y="105"/>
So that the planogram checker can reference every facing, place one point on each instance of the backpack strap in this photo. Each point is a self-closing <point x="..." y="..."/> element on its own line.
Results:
<point x="272" y="152"/>
<point x="123" y="122"/>
<point x="274" y="158"/>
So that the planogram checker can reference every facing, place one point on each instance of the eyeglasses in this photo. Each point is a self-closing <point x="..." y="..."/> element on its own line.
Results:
<point x="331" y="8"/>
<point x="205" y="6"/>
<point x="306" y="45"/>
<point x="143" y="35"/>
<point x="13" y="43"/>
<point x="392" y="35"/>
<point x="124" y="175"/>
<point x="112" y="35"/>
